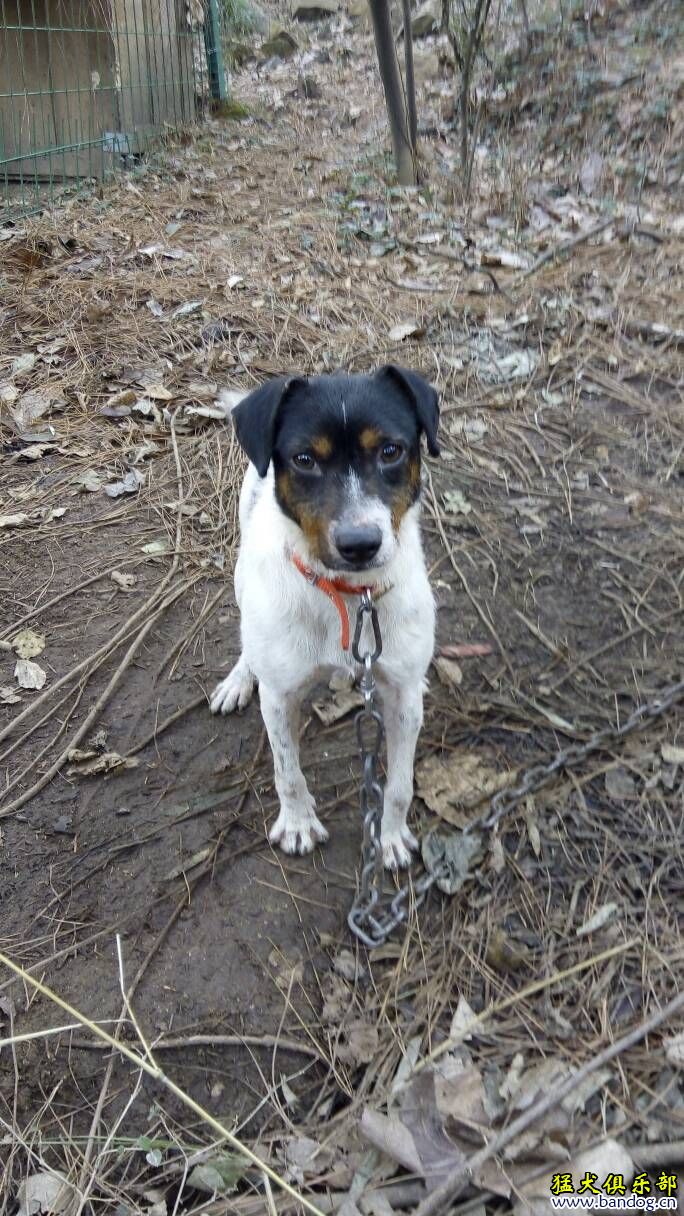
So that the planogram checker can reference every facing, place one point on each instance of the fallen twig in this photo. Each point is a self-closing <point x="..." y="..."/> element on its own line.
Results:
<point x="202" y="1040"/>
<point x="559" y="251"/>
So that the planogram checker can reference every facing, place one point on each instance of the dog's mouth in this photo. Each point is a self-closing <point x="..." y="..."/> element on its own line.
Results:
<point x="337" y="565"/>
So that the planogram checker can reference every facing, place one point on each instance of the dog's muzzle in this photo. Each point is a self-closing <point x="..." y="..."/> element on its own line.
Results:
<point x="357" y="545"/>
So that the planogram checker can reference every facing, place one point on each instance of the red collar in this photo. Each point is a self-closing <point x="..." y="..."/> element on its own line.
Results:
<point x="334" y="588"/>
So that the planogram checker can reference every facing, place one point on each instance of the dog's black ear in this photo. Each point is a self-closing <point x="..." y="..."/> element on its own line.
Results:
<point x="256" y="416"/>
<point x="423" y="397"/>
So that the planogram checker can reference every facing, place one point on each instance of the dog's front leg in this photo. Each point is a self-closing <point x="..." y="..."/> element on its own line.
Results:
<point x="403" y="707"/>
<point x="297" y="828"/>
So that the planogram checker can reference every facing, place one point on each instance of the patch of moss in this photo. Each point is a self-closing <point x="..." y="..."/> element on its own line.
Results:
<point x="229" y="108"/>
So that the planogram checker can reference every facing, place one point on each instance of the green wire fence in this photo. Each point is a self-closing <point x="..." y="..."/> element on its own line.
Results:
<point x="88" y="86"/>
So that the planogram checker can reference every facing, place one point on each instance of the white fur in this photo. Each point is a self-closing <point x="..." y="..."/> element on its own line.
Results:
<point x="291" y="637"/>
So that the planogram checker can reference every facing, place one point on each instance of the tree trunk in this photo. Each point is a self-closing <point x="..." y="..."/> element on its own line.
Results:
<point x="410" y="78"/>
<point x="394" y="93"/>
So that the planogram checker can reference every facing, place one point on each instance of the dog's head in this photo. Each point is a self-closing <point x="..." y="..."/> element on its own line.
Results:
<point x="346" y="457"/>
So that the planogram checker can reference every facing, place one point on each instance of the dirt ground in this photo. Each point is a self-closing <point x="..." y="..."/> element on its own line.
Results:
<point x="554" y="527"/>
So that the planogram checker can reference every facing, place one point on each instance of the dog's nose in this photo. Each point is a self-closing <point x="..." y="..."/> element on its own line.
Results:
<point x="358" y="545"/>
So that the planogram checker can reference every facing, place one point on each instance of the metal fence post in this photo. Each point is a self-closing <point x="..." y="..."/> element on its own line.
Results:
<point x="212" y="36"/>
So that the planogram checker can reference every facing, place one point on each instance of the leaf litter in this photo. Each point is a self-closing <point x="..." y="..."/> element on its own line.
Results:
<point x="29" y="675"/>
<point x="560" y="366"/>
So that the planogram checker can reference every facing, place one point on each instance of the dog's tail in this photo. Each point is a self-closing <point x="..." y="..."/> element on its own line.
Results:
<point x="228" y="398"/>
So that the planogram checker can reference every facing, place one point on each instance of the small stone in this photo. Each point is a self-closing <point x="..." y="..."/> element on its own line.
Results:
<point x="426" y="20"/>
<point x="358" y="10"/>
<point x="315" y="10"/>
<point x="281" y="46"/>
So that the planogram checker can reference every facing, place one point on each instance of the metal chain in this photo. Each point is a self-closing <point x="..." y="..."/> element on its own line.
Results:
<point x="369" y="732"/>
<point x="373" y="915"/>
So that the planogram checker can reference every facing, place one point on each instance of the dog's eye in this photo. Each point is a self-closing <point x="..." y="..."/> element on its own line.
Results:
<point x="390" y="453"/>
<point x="304" y="461"/>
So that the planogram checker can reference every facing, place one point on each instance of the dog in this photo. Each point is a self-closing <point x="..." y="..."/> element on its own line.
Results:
<point x="330" y="506"/>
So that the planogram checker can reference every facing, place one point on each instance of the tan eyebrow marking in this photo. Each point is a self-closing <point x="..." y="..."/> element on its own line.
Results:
<point x="369" y="438"/>
<point x="322" y="446"/>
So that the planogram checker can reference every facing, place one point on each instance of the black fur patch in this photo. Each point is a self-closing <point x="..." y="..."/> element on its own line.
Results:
<point x="343" y="424"/>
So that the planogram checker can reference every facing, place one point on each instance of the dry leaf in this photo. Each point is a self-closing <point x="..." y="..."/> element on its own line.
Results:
<point x="335" y="995"/>
<point x="407" y="1063"/>
<point x="287" y="971"/>
<point x="459" y="1094"/>
<point x="29" y="675"/>
<point x="130" y="484"/>
<point x="454" y="786"/>
<point x="422" y="1118"/>
<point x="453" y="857"/>
<point x="13" y="521"/>
<point x="672" y="754"/>
<point x="405" y="330"/>
<point x="505" y="257"/>
<point x="532" y="828"/>
<point x="608" y="1157"/>
<point x="511" y="1082"/>
<point x="163" y="251"/>
<point x="155" y="548"/>
<point x="620" y="785"/>
<point x="456" y="503"/>
<point x="497" y="857"/>
<point x="9" y="695"/>
<point x="504" y="954"/>
<point x="288" y="1093"/>
<point x="23" y="364"/>
<point x="591" y="172"/>
<point x="184" y="310"/>
<point x="388" y="1134"/>
<point x="125" y="397"/>
<point x="214" y="412"/>
<point x="466" y="650"/>
<point x="360" y="1045"/>
<point x="600" y="918"/>
<point x="347" y="965"/>
<point x="28" y="644"/>
<point x="189" y="863"/>
<point x="304" y="1156"/>
<point x="462" y="1018"/>
<point x="157" y="392"/>
<point x="34" y="405"/>
<point x="89" y="482"/>
<point x="8" y="394"/>
<point x="674" y="1047"/>
<point x="577" y="1099"/>
<point x="48" y="1193"/>
<point x="218" y="1175"/>
<point x="449" y="672"/>
<point x="340" y="704"/>
<point x="88" y="763"/>
<point x="520" y="364"/>
<point x="124" y="581"/>
<point x="529" y="1084"/>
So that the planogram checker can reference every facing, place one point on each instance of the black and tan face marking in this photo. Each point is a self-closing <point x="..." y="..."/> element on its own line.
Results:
<point x="346" y="458"/>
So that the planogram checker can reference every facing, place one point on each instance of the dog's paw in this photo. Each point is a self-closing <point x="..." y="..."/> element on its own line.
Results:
<point x="297" y="831"/>
<point x="397" y="846"/>
<point x="234" y="692"/>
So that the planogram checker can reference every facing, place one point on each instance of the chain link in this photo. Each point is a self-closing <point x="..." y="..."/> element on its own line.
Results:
<point x="373" y="914"/>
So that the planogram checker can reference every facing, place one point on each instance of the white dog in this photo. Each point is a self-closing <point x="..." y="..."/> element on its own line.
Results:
<point x="329" y="506"/>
